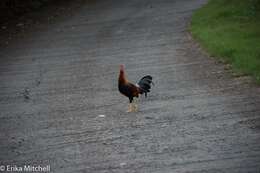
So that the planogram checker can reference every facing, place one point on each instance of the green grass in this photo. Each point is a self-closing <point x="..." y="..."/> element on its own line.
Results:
<point x="230" y="30"/>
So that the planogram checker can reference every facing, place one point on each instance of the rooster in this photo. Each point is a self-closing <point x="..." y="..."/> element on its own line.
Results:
<point x="133" y="90"/>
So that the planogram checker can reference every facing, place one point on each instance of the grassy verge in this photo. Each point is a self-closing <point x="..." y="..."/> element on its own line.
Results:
<point x="230" y="30"/>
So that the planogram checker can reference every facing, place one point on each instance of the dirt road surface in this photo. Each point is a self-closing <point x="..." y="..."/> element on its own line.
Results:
<point x="59" y="103"/>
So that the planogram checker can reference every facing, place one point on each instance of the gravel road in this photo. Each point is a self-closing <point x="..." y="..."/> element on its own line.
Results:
<point x="60" y="106"/>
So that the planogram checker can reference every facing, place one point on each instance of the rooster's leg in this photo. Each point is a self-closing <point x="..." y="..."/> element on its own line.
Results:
<point x="135" y="105"/>
<point x="130" y="107"/>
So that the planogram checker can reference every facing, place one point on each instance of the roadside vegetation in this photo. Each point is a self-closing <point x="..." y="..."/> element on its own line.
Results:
<point x="230" y="30"/>
<point x="13" y="8"/>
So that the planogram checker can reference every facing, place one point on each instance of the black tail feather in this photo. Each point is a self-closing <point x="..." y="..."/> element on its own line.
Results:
<point x="145" y="84"/>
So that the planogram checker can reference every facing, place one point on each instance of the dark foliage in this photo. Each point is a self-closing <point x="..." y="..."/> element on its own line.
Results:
<point x="12" y="8"/>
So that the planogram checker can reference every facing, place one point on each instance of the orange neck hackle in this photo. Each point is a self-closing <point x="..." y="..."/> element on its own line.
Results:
<point x="122" y="68"/>
<point x="122" y="77"/>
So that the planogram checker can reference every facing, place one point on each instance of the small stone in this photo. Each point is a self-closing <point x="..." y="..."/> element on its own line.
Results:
<point x="122" y="164"/>
<point x="19" y="24"/>
<point x="101" y="116"/>
<point x="164" y="125"/>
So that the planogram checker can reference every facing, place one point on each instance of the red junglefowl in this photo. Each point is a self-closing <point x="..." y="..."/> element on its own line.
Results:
<point x="133" y="90"/>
